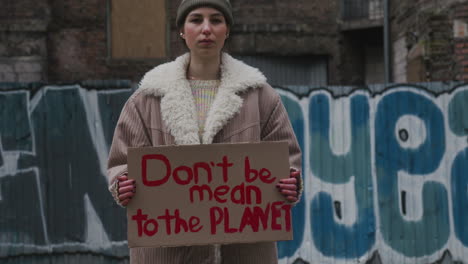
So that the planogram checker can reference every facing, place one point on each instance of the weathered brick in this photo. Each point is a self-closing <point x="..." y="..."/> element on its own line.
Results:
<point x="28" y="67"/>
<point x="462" y="6"/>
<point x="461" y="51"/>
<point x="30" y="77"/>
<point x="77" y="47"/>
<point x="461" y="14"/>
<point x="6" y="68"/>
<point x="7" y="77"/>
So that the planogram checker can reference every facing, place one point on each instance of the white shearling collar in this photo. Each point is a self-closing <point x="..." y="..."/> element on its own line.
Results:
<point x="178" y="106"/>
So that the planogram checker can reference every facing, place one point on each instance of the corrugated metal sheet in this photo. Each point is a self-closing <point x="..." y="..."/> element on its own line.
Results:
<point x="385" y="173"/>
<point x="69" y="258"/>
<point x="362" y="9"/>
<point x="288" y="70"/>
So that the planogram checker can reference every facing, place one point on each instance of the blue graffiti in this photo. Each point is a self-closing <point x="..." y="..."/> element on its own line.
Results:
<point x="70" y="164"/>
<point x="458" y="121"/>
<point x="401" y="147"/>
<point x="287" y="249"/>
<point x="15" y="130"/>
<point x="335" y="239"/>
<point x="58" y="172"/>
<point x="460" y="195"/>
<point x="391" y="157"/>
<point x="458" y="113"/>
<point x="18" y="216"/>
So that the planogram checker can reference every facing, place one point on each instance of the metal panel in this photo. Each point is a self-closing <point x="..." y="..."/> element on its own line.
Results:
<point x="69" y="258"/>
<point x="362" y="9"/>
<point x="291" y="70"/>
<point x="385" y="174"/>
<point x="374" y="64"/>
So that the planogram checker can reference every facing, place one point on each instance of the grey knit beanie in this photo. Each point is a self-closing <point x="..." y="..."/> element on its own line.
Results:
<point x="188" y="5"/>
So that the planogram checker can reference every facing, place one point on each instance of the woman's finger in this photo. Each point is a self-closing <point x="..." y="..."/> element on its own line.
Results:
<point x="294" y="174"/>
<point x="126" y="195"/>
<point x="291" y="199"/>
<point x="126" y="183"/>
<point x="287" y="186"/>
<point x="130" y="188"/>
<point x="125" y="202"/>
<point x="122" y="177"/>
<point x="289" y="193"/>
<point x="289" y="181"/>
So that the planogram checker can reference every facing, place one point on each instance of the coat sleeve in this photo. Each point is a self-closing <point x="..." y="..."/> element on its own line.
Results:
<point x="277" y="127"/>
<point x="130" y="132"/>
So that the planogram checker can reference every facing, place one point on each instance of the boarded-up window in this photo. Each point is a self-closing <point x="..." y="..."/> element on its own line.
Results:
<point x="138" y="29"/>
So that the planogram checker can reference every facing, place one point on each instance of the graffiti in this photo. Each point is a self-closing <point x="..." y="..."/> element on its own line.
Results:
<point x="398" y="155"/>
<point x="53" y="188"/>
<point x="386" y="174"/>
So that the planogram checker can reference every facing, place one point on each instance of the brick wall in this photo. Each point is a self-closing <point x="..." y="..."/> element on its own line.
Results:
<point x="435" y="35"/>
<point x="22" y="69"/>
<point x="78" y="40"/>
<point x="440" y="63"/>
<point x="460" y="30"/>
<point x="69" y="39"/>
<point x="23" y="48"/>
<point x="78" y="44"/>
<point x="272" y="27"/>
<point x="289" y="28"/>
<point x="399" y="60"/>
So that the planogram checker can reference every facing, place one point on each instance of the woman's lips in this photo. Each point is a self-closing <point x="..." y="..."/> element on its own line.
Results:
<point x="206" y="41"/>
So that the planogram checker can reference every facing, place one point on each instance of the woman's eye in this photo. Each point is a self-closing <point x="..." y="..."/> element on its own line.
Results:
<point x="216" y="21"/>
<point x="195" y="20"/>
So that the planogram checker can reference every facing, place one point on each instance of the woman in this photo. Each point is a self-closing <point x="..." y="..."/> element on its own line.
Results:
<point x="203" y="97"/>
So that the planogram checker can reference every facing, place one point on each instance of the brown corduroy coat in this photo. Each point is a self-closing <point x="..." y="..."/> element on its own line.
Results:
<point x="162" y="112"/>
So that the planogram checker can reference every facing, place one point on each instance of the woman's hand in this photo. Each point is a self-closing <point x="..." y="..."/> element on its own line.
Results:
<point x="126" y="189"/>
<point x="288" y="187"/>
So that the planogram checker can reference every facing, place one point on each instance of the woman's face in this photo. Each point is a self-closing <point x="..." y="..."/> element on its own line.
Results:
<point x="205" y="31"/>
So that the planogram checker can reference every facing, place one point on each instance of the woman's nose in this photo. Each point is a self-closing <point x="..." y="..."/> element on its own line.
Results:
<point x="206" y="30"/>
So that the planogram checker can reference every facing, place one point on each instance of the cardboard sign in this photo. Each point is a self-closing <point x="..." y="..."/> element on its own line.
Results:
<point x="208" y="194"/>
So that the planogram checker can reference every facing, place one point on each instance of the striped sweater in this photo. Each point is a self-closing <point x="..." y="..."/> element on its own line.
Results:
<point x="204" y="92"/>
